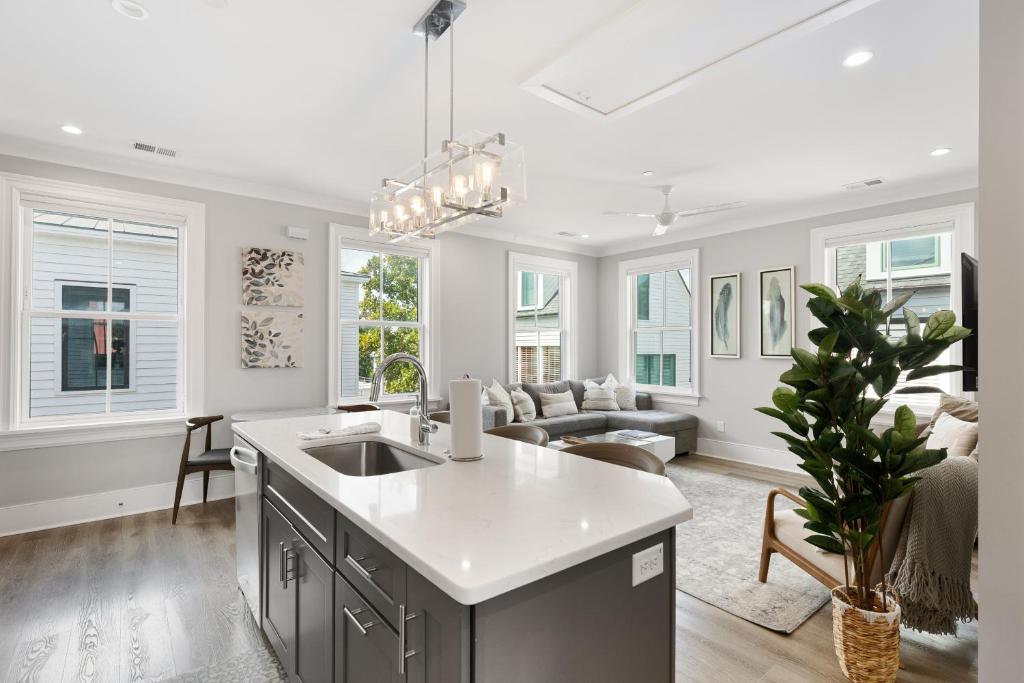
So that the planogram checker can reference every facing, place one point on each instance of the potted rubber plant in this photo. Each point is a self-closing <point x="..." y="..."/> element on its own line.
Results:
<point x="829" y="398"/>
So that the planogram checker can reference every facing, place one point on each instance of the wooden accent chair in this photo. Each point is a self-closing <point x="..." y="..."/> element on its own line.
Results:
<point x="358" y="408"/>
<point x="210" y="459"/>
<point x="784" y="534"/>
<point x="521" y="432"/>
<point x="622" y="454"/>
<point x="444" y="416"/>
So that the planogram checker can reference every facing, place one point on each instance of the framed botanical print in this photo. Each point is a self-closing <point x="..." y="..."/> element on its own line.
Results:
<point x="725" y="315"/>
<point x="777" y="303"/>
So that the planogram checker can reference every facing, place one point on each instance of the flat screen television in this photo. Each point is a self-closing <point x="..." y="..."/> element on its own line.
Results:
<point x="969" y="304"/>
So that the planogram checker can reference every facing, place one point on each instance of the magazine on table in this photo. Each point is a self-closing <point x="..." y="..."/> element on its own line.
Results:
<point x="636" y="434"/>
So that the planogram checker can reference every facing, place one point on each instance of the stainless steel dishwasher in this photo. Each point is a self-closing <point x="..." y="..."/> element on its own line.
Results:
<point x="245" y="460"/>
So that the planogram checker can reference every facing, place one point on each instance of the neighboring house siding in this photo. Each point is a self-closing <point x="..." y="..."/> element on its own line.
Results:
<point x="932" y="292"/>
<point x="673" y="312"/>
<point x="145" y="265"/>
<point x="350" y="295"/>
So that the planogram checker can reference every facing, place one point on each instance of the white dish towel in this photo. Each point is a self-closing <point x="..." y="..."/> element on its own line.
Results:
<point x="327" y="437"/>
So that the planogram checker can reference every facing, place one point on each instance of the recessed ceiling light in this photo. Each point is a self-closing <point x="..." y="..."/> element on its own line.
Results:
<point x="585" y="237"/>
<point x="130" y="9"/>
<point x="941" y="151"/>
<point x="858" y="58"/>
<point x="648" y="173"/>
<point x="71" y="130"/>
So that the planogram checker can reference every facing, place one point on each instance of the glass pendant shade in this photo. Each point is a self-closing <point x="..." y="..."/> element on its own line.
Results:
<point x="474" y="175"/>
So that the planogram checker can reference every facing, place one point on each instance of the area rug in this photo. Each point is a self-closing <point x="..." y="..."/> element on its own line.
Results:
<point x="718" y="552"/>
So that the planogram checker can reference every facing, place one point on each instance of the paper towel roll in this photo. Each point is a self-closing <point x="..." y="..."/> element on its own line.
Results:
<point x="466" y="418"/>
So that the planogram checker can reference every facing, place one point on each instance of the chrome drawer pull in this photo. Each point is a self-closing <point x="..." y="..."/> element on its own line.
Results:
<point x="351" y="614"/>
<point x="403" y="654"/>
<point x="363" y="571"/>
<point x="296" y="512"/>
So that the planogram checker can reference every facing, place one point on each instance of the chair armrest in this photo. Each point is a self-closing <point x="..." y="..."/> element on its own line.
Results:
<point x="784" y="492"/>
<point x="197" y="422"/>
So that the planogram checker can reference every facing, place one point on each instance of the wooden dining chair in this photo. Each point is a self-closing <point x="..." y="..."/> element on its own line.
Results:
<point x="208" y="460"/>
<point x="621" y="454"/>
<point x="358" y="408"/>
<point x="521" y="432"/>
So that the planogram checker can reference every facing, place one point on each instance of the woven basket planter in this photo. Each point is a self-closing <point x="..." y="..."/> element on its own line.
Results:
<point x="867" y="643"/>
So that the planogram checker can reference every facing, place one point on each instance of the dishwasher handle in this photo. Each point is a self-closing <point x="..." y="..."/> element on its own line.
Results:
<point x="242" y="464"/>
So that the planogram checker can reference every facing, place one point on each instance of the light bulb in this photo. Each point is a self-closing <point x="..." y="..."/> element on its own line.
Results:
<point x="459" y="185"/>
<point x="399" y="212"/>
<point x="435" y="195"/>
<point x="417" y="204"/>
<point x="383" y="218"/>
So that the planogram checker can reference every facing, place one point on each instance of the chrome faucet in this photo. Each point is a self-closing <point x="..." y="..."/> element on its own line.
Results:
<point x="426" y="426"/>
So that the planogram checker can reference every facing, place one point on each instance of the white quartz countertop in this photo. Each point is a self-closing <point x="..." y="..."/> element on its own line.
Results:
<point x="480" y="529"/>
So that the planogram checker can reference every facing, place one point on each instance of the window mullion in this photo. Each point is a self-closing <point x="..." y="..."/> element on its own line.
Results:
<point x="109" y="322"/>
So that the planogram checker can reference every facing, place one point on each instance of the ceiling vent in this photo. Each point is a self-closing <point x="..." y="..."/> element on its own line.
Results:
<point x="153" y="149"/>
<point x="564" y="233"/>
<point x="861" y="184"/>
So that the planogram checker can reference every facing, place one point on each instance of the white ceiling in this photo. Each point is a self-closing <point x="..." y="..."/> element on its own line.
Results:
<point x="320" y="99"/>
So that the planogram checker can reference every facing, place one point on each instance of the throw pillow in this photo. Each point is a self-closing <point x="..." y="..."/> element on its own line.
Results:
<point x="554" y="405"/>
<point x="599" y="398"/>
<point x="523" y="406"/>
<point x="625" y="394"/>
<point x="498" y="397"/>
<point x="957" y="436"/>
<point x="960" y="408"/>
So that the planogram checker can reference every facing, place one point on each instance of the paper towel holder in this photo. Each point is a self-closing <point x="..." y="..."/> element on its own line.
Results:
<point x="448" y="452"/>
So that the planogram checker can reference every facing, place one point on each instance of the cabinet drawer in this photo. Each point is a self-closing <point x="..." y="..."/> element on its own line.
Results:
<point x="366" y="647"/>
<point x="373" y="569"/>
<point x="310" y="515"/>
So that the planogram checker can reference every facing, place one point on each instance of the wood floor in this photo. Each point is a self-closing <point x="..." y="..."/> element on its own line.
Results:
<point x="135" y="599"/>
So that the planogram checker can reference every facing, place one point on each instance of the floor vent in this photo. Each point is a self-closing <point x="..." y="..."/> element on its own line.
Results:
<point x="153" y="149"/>
<point x="860" y="184"/>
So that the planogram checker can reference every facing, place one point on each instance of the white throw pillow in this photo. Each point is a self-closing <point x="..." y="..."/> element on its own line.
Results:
<point x="625" y="394"/>
<point x="599" y="398"/>
<point x="498" y="397"/>
<point x="554" y="405"/>
<point x="956" y="436"/>
<point x="523" y="406"/>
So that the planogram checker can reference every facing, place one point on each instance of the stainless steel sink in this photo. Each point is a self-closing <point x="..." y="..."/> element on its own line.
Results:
<point x="369" y="458"/>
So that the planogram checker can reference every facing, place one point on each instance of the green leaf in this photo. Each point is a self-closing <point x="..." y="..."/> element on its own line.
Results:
<point x="897" y="303"/>
<point x="955" y="334"/>
<point x="795" y="375"/>
<point x="806" y="360"/>
<point x="931" y="370"/>
<point x="785" y="399"/>
<point x="912" y="323"/>
<point x="826" y="543"/>
<point x="938" y="324"/>
<point x="905" y="422"/>
<point x="918" y="390"/>
<point x="823" y="291"/>
<point x="828" y="343"/>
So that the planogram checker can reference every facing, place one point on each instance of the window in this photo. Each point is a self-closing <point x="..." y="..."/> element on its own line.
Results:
<point x="83" y="344"/>
<point x="381" y="295"/>
<point x="658" y="310"/>
<point x="101" y="329"/>
<point x="542" y="318"/>
<point x="900" y="254"/>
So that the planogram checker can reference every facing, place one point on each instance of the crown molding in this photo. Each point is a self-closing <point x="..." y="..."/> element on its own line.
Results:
<point x="164" y="172"/>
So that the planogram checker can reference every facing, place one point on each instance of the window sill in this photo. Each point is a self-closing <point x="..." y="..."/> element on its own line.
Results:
<point x="404" y="402"/>
<point x="69" y="435"/>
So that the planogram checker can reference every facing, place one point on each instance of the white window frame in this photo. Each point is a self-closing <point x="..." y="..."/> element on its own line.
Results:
<point x="956" y="221"/>
<point x="58" y="360"/>
<point x="628" y="272"/>
<point x="19" y="196"/>
<point x="429" y="253"/>
<point x="568" y="271"/>
<point x="874" y="261"/>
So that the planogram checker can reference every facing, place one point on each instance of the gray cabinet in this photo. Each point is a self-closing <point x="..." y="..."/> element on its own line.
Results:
<point x="366" y="647"/>
<point x="298" y="600"/>
<point x="437" y="634"/>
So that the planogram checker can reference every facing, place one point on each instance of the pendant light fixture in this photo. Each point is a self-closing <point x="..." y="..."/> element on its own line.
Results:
<point x="474" y="175"/>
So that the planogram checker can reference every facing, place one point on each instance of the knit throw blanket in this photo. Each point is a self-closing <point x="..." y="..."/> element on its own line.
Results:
<point x="931" y="571"/>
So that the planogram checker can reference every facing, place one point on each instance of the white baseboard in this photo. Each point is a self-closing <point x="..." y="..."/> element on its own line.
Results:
<point x="47" y="514"/>
<point x="772" y="458"/>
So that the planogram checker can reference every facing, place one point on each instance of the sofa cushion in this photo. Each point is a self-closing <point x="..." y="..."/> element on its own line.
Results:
<point x="660" y="421"/>
<point x="556" y="405"/>
<point x="557" y="427"/>
<point x="523" y="407"/>
<point x="535" y="390"/>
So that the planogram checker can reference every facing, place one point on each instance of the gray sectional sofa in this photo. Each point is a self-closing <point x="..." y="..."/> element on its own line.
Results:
<point x="679" y="425"/>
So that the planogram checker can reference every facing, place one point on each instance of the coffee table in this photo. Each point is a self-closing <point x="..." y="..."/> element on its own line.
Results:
<point x="663" y="447"/>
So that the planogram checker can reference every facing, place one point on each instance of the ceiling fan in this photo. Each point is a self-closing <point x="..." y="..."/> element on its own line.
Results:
<point x="667" y="217"/>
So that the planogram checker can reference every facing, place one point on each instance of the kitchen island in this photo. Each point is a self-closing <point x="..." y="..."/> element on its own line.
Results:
<point x="528" y="565"/>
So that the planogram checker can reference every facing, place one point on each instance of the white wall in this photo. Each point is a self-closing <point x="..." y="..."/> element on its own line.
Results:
<point x="732" y="388"/>
<point x="1001" y="242"/>
<point x="473" y="334"/>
